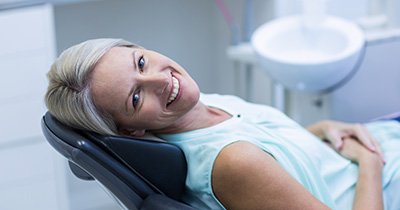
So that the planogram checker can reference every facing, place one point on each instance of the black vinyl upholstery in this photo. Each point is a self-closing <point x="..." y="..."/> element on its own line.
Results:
<point x="141" y="174"/>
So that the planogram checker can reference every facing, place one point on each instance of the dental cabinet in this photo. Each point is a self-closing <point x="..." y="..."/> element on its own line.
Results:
<point x="28" y="174"/>
<point x="32" y="174"/>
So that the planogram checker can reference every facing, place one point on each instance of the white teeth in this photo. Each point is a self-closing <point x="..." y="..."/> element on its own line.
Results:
<point x="175" y="90"/>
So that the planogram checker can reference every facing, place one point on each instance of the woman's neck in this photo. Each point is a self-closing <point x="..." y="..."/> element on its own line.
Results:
<point x="201" y="116"/>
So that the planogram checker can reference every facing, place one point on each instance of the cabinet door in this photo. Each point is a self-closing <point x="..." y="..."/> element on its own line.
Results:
<point x="26" y="53"/>
<point x="21" y="95"/>
<point x="28" y="175"/>
<point x="26" y="29"/>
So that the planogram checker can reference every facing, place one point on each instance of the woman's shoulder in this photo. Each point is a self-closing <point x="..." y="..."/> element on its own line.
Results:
<point x="238" y="154"/>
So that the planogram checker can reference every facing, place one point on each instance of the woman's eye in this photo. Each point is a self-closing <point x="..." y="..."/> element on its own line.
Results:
<point x="135" y="99"/>
<point x="141" y="63"/>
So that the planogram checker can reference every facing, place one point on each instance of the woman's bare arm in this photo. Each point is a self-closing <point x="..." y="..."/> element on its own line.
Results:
<point x="246" y="177"/>
<point x="369" y="186"/>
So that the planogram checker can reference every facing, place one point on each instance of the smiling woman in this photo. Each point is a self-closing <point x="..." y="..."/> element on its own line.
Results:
<point x="103" y="84"/>
<point x="142" y="90"/>
<point x="240" y="155"/>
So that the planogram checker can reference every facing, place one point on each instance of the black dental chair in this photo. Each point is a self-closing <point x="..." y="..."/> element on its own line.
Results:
<point x="140" y="174"/>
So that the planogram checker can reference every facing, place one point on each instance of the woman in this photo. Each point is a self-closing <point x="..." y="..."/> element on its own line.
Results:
<point x="240" y="155"/>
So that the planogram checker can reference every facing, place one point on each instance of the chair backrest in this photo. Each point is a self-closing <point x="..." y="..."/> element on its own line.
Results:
<point x="135" y="171"/>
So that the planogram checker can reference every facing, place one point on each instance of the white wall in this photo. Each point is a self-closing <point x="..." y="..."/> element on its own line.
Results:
<point x="374" y="90"/>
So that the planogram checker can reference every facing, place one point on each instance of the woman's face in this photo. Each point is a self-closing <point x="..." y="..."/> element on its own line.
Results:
<point x="142" y="89"/>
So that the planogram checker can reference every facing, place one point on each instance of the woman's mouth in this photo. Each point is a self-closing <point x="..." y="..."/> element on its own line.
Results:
<point x="175" y="90"/>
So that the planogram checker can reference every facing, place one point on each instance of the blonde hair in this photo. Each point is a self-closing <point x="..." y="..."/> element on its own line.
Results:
<point x="68" y="97"/>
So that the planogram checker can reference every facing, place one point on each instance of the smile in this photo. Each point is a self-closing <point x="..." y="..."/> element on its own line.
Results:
<point x="175" y="90"/>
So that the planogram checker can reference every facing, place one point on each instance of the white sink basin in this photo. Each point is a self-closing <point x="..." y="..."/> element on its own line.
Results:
<point x="316" y="58"/>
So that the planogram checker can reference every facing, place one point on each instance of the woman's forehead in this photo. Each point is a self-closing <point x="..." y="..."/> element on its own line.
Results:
<point x="116" y="55"/>
<point x="110" y="81"/>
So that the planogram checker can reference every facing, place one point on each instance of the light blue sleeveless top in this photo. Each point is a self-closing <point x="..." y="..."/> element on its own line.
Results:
<point x="328" y="176"/>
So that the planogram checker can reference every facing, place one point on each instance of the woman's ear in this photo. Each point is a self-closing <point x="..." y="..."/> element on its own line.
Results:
<point x="132" y="132"/>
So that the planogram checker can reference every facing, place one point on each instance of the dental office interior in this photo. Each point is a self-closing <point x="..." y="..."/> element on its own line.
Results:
<point x="215" y="40"/>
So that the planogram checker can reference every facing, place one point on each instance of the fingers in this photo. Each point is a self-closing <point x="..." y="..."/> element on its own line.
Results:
<point x="379" y="151"/>
<point x="339" y="144"/>
<point x="335" y="139"/>
<point x="366" y="139"/>
<point x="362" y="134"/>
<point x="352" y="149"/>
<point x="336" y="133"/>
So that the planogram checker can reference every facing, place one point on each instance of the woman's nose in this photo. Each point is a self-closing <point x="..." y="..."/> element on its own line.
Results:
<point x="157" y="81"/>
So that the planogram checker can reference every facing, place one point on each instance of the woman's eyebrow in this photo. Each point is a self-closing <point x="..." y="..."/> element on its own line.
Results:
<point x="133" y="86"/>
<point x="134" y="58"/>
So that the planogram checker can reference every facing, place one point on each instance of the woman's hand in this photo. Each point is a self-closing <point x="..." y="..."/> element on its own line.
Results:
<point x="369" y="185"/>
<point x="335" y="133"/>
<point x="354" y="151"/>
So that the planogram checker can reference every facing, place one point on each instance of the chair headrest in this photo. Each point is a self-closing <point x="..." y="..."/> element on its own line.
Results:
<point x="160" y="163"/>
